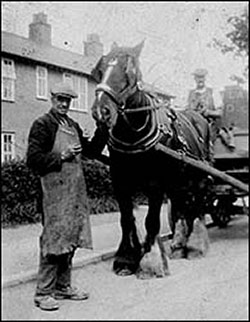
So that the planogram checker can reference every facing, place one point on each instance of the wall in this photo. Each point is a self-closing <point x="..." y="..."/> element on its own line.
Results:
<point x="18" y="116"/>
<point x="236" y="109"/>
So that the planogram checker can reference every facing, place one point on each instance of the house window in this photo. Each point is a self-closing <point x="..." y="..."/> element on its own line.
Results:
<point x="84" y="93"/>
<point x="80" y="86"/>
<point x="41" y="82"/>
<point x="8" y="80"/>
<point x="8" y="146"/>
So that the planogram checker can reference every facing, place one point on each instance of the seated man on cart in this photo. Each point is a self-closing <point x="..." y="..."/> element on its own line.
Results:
<point x="202" y="100"/>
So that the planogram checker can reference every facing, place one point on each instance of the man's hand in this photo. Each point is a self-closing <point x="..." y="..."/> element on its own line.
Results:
<point x="71" y="152"/>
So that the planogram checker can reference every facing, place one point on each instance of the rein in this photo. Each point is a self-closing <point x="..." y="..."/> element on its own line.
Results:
<point x="117" y="98"/>
<point x="139" y="109"/>
<point x="153" y="107"/>
<point x="146" y="140"/>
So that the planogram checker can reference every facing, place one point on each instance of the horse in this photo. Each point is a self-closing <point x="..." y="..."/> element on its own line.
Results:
<point x="137" y="121"/>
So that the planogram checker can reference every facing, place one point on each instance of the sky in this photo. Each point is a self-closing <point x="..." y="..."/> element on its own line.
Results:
<point x="177" y="35"/>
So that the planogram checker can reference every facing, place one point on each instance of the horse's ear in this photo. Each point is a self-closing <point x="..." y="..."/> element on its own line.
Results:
<point x="138" y="48"/>
<point x="114" y="46"/>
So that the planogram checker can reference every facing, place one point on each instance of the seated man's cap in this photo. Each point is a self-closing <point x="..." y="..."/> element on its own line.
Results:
<point x="63" y="89"/>
<point x="200" y="72"/>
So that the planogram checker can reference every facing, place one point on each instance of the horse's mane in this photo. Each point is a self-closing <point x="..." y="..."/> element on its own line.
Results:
<point x="141" y="98"/>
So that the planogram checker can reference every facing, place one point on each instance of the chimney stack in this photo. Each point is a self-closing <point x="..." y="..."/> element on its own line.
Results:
<point x="93" y="47"/>
<point x="39" y="29"/>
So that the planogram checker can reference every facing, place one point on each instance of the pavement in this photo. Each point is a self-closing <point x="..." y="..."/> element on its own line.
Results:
<point x="20" y="245"/>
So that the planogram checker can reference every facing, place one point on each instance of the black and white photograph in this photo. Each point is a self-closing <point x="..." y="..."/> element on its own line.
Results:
<point x="125" y="160"/>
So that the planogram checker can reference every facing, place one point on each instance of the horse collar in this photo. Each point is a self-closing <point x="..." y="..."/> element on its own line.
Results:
<point x="145" y="137"/>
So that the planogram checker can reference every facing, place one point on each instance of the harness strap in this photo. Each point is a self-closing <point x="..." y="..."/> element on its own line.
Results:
<point x="140" y="109"/>
<point x="118" y="98"/>
<point x="129" y="91"/>
<point x="142" y="145"/>
<point x="102" y="87"/>
<point x="147" y="141"/>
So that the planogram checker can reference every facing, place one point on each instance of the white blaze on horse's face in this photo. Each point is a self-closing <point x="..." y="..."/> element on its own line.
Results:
<point x="104" y="108"/>
<point x="96" y="110"/>
<point x="111" y="64"/>
<point x="115" y="72"/>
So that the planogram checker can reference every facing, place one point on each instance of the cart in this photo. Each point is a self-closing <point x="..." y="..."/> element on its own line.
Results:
<point x="230" y="178"/>
<point x="226" y="200"/>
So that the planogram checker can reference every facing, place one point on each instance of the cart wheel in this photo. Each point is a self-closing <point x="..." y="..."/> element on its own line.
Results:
<point x="221" y="214"/>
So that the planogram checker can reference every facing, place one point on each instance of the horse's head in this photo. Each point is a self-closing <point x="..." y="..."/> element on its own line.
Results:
<point x="117" y="75"/>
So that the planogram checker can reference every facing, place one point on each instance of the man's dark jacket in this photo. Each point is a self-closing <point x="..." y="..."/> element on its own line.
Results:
<point x="41" y="140"/>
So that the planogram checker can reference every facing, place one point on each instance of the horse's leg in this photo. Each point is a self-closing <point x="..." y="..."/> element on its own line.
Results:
<point x="198" y="240"/>
<point x="127" y="257"/>
<point x="179" y="227"/>
<point x="155" y="195"/>
<point x="154" y="261"/>
<point x="128" y="254"/>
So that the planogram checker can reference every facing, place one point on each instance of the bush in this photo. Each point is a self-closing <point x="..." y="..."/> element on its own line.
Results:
<point x="99" y="187"/>
<point x="21" y="192"/>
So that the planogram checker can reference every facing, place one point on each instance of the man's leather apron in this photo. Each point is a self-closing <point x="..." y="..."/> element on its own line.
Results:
<point x="65" y="204"/>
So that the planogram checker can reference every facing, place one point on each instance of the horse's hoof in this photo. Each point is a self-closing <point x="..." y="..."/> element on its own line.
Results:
<point x="142" y="275"/>
<point x="194" y="254"/>
<point x="153" y="264"/>
<point x="145" y="275"/>
<point x="198" y="242"/>
<point x="177" y="253"/>
<point x="124" y="272"/>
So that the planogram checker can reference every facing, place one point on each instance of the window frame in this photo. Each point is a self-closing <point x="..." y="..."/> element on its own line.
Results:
<point x="8" y="146"/>
<point x="9" y="75"/>
<point x="79" y="104"/>
<point x="38" y="79"/>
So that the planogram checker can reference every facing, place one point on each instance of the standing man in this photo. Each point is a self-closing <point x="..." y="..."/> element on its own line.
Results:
<point x="209" y="104"/>
<point x="55" y="146"/>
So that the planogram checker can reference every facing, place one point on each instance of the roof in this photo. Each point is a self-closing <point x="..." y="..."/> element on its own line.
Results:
<point x="27" y="48"/>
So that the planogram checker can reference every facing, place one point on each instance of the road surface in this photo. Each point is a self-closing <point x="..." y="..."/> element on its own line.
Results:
<point x="211" y="288"/>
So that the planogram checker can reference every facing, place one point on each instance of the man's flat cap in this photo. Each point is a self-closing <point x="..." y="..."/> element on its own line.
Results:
<point x="200" y="72"/>
<point x="63" y="89"/>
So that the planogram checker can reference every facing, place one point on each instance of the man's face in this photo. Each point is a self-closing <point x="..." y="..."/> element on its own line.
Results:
<point x="61" y="103"/>
<point x="200" y="81"/>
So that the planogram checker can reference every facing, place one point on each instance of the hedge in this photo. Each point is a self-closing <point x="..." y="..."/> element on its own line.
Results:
<point x="21" y="191"/>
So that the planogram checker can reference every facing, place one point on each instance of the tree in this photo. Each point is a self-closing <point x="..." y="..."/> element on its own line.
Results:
<point x="237" y="38"/>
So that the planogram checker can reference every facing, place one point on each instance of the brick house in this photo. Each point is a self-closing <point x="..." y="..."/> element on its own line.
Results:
<point x="29" y="67"/>
<point x="235" y="101"/>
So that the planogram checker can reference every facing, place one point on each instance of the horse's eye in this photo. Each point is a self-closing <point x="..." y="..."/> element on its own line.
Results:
<point x="113" y="61"/>
<point x="105" y="110"/>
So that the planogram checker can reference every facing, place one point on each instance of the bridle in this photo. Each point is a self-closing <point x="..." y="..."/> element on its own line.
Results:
<point x="148" y="139"/>
<point x="120" y="98"/>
